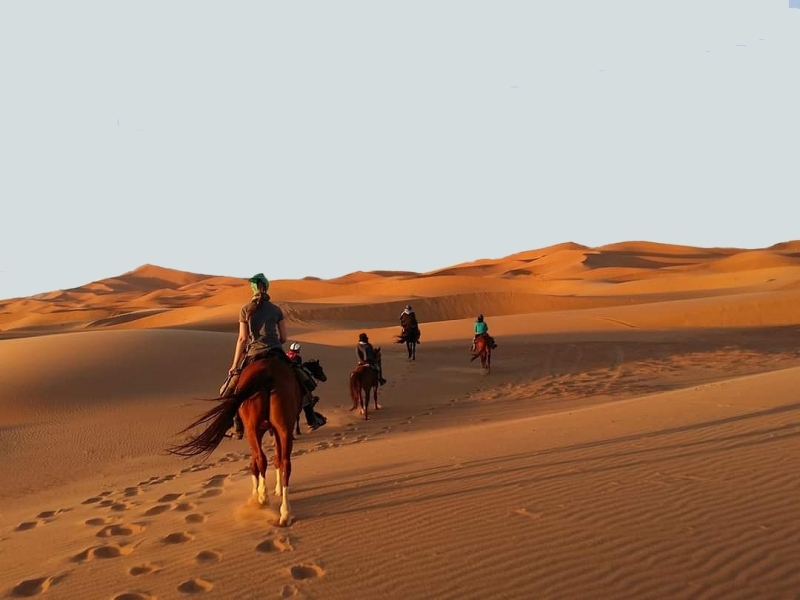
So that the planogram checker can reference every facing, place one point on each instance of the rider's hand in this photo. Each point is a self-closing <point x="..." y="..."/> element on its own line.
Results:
<point x="232" y="371"/>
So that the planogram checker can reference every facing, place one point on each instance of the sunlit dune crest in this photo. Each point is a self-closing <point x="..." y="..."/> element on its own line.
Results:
<point x="562" y="277"/>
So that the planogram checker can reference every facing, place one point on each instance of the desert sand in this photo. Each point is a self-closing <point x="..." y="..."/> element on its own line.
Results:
<point x="638" y="435"/>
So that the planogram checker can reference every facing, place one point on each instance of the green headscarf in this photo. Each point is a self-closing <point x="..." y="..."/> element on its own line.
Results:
<point x="254" y="282"/>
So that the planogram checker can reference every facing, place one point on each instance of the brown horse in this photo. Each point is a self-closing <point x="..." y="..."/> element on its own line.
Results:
<point x="363" y="380"/>
<point x="267" y="398"/>
<point x="483" y="348"/>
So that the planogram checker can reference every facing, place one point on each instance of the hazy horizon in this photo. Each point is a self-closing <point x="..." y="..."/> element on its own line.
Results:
<point x="318" y="140"/>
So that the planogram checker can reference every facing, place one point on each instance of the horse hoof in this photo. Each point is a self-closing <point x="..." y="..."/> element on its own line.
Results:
<point x="286" y="520"/>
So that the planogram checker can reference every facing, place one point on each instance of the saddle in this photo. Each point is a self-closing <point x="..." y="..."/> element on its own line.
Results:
<point x="361" y="366"/>
<point x="307" y="382"/>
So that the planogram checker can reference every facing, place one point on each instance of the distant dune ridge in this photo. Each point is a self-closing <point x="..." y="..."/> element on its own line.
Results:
<point x="563" y="277"/>
<point x="637" y="437"/>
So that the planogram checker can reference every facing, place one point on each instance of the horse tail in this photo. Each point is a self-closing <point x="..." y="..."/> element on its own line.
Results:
<point x="355" y="389"/>
<point x="218" y="421"/>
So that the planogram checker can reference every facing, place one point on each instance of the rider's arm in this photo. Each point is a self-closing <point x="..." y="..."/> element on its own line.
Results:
<point x="282" y="331"/>
<point x="241" y="342"/>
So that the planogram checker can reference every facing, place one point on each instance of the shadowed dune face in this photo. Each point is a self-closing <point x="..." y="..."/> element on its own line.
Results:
<point x="558" y="279"/>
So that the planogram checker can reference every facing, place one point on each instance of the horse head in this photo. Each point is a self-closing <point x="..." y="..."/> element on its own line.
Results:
<point x="316" y="370"/>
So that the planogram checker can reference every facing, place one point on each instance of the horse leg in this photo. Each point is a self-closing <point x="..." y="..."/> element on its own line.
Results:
<point x="489" y="359"/>
<point x="355" y="394"/>
<point x="283" y="463"/>
<point x="375" y="397"/>
<point x="365" y="403"/>
<point x="258" y="465"/>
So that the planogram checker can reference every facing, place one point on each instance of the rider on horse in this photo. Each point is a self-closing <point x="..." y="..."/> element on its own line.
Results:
<point x="262" y="333"/>
<point x="408" y="321"/>
<point x="482" y="329"/>
<point x="307" y="385"/>
<point x="366" y="355"/>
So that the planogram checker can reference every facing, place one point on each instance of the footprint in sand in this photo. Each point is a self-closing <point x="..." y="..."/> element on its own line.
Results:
<point x="101" y="521"/>
<point x="129" y="492"/>
<point x="148" y="481"/>
<point x="134" y="596"/>
<point x="28" y="525"/>
<point x="307" y="571"/>
<point x="49" y="514"/>
<point x="157" y="510"/>
<point x="289" y="590"/>
<point x="144" y="569"/>
<point x="195" y="518"/>
<point x="185" y="506"/>
<point x="230" y="457"/>
<point x="120" y="529"/>
<point x="283" y="544"/>
<point x="217" y="481"/>
<point x="119" y="507"/>
<point x="178" y="538"/>
<point x="34" y="587"/>
<point x="160" y="480"/>
<point x="195" y="468"/>
<point x="92" y="500"/>
<point x="195" y="586"/>
<point x="211" y="493"/>
<point x="208" y="556"/>
<point x="170" y="497"/>
<point x="104" y="551"/>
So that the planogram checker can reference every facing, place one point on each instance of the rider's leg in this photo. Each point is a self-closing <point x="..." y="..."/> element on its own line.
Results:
<point x="312" y="420"/>
<point x="238" y="427"/>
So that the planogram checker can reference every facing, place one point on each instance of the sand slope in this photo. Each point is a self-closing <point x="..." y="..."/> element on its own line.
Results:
<point x="637" y="436"/>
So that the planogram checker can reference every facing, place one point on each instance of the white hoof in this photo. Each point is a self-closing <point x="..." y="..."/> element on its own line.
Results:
<point x="286" y="520"/>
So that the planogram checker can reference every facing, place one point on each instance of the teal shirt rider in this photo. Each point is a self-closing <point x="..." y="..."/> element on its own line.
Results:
<point x="481" y="327"/>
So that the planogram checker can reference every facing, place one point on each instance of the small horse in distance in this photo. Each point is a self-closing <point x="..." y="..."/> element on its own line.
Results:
<point x="363" y="380"/>
<point x="411" y="338"/>
<point x="268" y="398"/>
<point x="483" y="349"/>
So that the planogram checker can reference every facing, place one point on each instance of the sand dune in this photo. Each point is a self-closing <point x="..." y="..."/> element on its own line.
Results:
<point x="637" y="436"/>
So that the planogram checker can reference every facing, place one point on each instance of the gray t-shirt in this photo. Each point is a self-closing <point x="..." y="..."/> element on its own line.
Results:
<point x="263" y="327"/>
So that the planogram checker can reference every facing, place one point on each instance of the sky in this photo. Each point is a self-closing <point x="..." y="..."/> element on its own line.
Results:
<point x="320" y="138"/>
